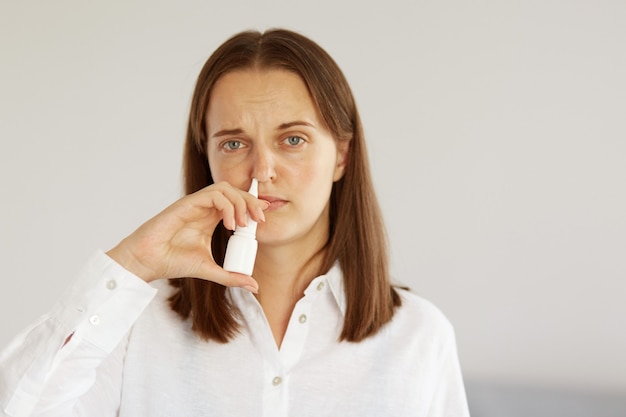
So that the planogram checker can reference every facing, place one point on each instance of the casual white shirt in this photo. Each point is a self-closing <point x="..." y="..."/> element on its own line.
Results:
<point x="131" y="355"/>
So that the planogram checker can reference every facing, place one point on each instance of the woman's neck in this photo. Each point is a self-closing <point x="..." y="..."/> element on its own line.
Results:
<point x="283" y="273"/>
<point x="286" y="270"/>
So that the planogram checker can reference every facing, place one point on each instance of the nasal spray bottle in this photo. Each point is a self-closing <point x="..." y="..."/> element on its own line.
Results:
<point x="242" y="245"/>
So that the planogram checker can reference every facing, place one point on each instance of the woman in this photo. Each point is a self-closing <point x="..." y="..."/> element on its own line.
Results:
<point x="319" y="330"/>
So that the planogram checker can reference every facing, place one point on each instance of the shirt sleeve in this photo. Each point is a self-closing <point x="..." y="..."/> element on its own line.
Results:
<point x="71" y="358"/>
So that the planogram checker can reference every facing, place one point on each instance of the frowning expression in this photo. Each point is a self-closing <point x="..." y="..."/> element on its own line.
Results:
<point x="263" y="124"/>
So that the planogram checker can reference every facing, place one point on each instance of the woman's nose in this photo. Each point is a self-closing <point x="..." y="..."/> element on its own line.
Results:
<point x="263" y="169"/>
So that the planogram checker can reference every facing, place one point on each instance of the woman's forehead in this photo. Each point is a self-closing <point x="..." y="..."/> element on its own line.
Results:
<point x="260" y="96"/>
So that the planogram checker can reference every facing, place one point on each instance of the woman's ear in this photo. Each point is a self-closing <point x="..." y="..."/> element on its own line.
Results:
<point x="343" y="154"/>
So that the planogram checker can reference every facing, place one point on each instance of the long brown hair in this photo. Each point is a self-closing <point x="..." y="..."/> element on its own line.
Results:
<point x="357" y="239"/>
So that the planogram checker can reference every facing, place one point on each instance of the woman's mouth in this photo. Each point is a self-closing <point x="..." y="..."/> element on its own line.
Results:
<point x="275" y="202"/>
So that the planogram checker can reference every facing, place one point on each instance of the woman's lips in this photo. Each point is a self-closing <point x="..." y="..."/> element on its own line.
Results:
<point x="275" y="202"/>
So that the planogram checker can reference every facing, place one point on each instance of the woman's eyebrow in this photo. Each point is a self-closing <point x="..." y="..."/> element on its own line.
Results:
<point x="282" y="126"/>
<point x="287" y="125"/>
<point x="227" y="132"/>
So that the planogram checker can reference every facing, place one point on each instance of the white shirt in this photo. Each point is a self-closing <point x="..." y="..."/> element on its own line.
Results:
<point x="131" y="355"/>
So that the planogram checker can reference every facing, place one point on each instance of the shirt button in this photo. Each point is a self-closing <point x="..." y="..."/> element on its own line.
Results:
<point x="95" y="319"/>
<point x="320" y="286"/>
<point x="302" y="318"/>
<point x="111" y="284"/>
<point x="277" y="381"/>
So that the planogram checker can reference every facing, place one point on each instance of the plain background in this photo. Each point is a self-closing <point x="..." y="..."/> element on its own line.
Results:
<point x="496" y="131"/>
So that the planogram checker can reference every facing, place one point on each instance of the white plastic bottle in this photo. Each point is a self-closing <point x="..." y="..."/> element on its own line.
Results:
<point x="242" y="245"/>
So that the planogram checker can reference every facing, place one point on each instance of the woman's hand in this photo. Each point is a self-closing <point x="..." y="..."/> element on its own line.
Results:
<point x="177" y="242"/>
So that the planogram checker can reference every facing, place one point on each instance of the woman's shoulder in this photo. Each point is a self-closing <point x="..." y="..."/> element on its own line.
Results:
<point x="160" y="305"/>
<point x="160" y="320"/>
<point x="164" y="287"/>
<point x="419" y="313"/>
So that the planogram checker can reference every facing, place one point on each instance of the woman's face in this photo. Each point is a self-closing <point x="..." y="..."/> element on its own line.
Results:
<point x="263" y="124"/>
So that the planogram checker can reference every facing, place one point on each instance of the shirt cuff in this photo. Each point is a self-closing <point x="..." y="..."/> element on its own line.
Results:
<point x="103" y="304"/>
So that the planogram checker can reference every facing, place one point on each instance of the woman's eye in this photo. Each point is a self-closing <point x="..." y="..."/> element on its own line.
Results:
<point x="232" y="145"/>
<point x="294" y="140"/>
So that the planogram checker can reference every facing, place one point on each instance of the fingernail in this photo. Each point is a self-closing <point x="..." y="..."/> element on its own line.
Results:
<point x="251" y="289"/>
<point x="267" y="204"/>
<point x="261" y="214"/>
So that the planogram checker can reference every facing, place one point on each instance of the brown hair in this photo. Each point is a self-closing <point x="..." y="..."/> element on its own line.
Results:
<point x="357" y="237"/>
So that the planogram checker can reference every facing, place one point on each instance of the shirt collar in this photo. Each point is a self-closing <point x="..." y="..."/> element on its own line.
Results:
<point x="334" y="279"/>
<point x="331" y="281"/>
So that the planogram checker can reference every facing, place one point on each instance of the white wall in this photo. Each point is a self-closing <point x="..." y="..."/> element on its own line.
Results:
<point x="497" y="138"/>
